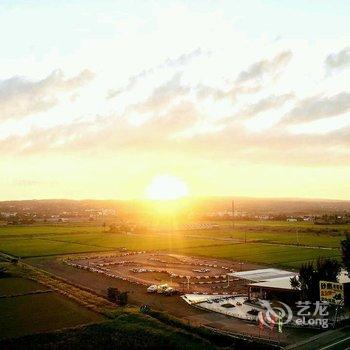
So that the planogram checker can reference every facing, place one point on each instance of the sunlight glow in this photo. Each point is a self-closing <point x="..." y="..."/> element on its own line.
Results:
<point x="166" y="187"/>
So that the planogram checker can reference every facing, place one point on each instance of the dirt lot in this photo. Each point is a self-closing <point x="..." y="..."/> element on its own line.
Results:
<point x="100" y="283"/>
<point x="185" y="274"/>
<point x="137" y="292"/>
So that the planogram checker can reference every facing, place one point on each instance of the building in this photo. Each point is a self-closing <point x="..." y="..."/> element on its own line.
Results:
<point x="273" y="283"/>
<point x="344" y="279"/>
<point x="268" y="284"/>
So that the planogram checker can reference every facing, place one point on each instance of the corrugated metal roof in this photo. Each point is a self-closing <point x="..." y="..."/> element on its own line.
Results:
<point x="262" y="274"/>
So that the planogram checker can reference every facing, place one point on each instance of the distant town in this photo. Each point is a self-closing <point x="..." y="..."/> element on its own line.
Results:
<point x="64" y="211"/>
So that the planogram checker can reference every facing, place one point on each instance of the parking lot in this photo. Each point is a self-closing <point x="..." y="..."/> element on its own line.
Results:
<point x="183" y="273"/>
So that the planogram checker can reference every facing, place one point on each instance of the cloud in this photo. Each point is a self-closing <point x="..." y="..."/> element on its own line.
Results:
<point x="20" y="97"/>
<point x="318" y="107"/>
<point x="185" y="58"/>
<point x="265" y="68"/>
<point x="161" y="96"/>
<point x="234" y="143"/>
<point x="265" y="104"/>
<point x="133" y="80"/>
<point x="339" y="60"/>
<point x="111" y="93"/>
<point x="250" y="80"/>
<point x="161" y="135"/>
<point x="204" y="91"/>
<point x="174" y="107"/>
<point x="172" y="63"/>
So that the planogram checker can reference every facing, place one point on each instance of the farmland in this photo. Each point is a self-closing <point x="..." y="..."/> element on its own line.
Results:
<point x="284" y="224"/>
<point x="32" y="313"/>
<point x="82" y="243"/>
<point x="15" y="285"/>
<point x="34" y="308"/>
<point x="282" y="232"/>
<point x="37" y="229"/>
<point x="267" y="254"/>
<point x="26" y="247"/>
<point x="271" y="242"/>
<point x="277" y="236"/>
<point x="129" y="330"/>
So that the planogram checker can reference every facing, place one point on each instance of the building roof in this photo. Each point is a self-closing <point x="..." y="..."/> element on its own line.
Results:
<point x="344" y="277"/>
<point x="275" y="278"/>
<point x="274" y="283"/>
<point x="262" y="275"/>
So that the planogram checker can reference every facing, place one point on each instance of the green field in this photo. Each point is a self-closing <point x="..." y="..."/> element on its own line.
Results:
<point x="267" y="236"/>
<point x="134" y="242"/>
<point x="270" y="254"/>
<point x="125" y="331"/>
<point x="25" y="247"/>
<point x="90" y="242"/>
<point x="34" y="313"/>
<point x="49" y="229"/>
<point x="266" y="240"/>
<point x="15" y="285"/>
<point x="308" y="239"/>
<point x="284" y="224"/>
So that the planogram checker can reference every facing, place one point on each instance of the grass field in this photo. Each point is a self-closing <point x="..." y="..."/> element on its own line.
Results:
<point x="79" y="243"/>
<point x="286" y="256"/>
<point x="49" y="229"/>
<point x="21" y="315"/>
<point x="135" y="242"/>
<point x="25" y="247"/>
<point x="127" y="331"/>
<point x="15" y="285"/>
<point x="34" y="313"/>
<point x="283" y="224"/>
<point x="280" y="237"/>
<point x="267" y="240"/>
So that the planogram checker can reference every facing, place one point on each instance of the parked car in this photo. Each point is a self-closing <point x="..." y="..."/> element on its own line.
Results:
<point x="152" y="289"/>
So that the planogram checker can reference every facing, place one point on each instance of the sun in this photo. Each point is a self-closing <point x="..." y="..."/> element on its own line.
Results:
<point x="166" y="187"/>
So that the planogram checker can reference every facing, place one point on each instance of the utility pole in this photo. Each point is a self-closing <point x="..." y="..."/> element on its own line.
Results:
<point x="233" y="215"/>
<point x="297" y="236"/>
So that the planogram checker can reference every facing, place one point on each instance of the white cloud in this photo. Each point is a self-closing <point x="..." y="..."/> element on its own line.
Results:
<point x="263" y="69"/>
<point x="338" y="61"/>
<point x="20" y="97"/>
<point x="318" y="107"/>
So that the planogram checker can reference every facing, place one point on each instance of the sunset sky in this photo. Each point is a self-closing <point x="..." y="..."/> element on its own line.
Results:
<point x="241" y="98"/>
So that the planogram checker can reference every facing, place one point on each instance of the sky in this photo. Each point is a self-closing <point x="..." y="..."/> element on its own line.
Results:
<point x="234" y="98"/>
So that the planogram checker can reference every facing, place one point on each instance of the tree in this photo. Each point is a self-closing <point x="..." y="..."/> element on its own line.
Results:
<point x="307" y="281"/>
<point x="328" y="269"/>
<point x="123" y="299"/>
<point x="111" y="294"/>
<point x="310" y="276"/>
<point x="294" y="282"/>
<point x="3" y="272"/>
<point x="119" y="228"/>
<point x="345" y="248"/>
<point x="114" y="295"/>
<point x="112" y="228"/>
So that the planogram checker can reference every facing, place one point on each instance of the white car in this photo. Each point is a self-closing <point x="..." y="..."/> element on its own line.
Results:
<point x="169" y="291"/>
<point x="152" y="289"/>
<point x="162" y="288"/>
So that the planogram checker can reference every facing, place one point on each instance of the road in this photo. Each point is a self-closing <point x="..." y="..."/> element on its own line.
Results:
<point x="332" y="340"/>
